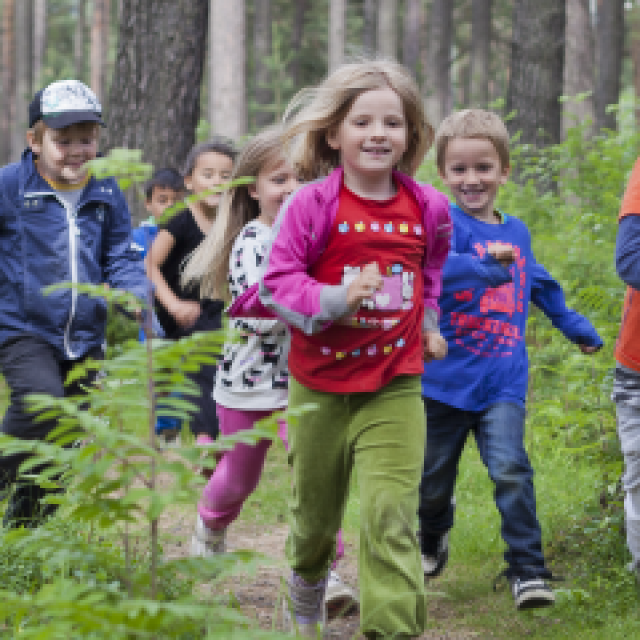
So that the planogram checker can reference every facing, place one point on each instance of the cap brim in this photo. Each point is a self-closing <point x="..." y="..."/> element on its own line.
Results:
<point x="66" y="119"/>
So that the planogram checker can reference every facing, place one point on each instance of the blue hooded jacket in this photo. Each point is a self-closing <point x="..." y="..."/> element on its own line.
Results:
<point x="42" y="243"/>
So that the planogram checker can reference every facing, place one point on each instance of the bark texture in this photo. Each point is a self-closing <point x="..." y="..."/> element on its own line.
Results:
<point x="7" y="98"/>
<point x="388" y="28"/>
<point x="537" y="62"/>
<point x="227" y="57"/>
<point x="23" y="74"/>
<point x="413" y="23"/>
<point x="154" y="102"/>
<point x="78" y="40"/>
<point x="437" y="68"/>
<point x="297" y="34"/>
<point x="610" y="34"/>
<point x="39" y="38"/>
<point x="336" y="33"/>
<point x="579" y="65"/>
<point x="261" y="52"/>
<point x="369" y="27"/>
<point x="99" y="46"/>
<point x="480" y="52"/>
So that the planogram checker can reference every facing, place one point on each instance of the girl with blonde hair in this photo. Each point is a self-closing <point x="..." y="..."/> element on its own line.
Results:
<point x="355" y="270"/>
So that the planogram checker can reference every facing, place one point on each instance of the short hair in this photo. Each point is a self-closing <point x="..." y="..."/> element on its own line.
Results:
<point x="167" y="178"/>
<point x="314" y="112"/>
<point x="473" y="123"/>
<point x="218" y="144"/>
<point x="40" y="127"/>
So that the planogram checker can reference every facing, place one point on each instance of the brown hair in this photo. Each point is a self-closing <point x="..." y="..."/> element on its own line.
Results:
<point x="314" y="112"/>
<point x="473" y="123"/>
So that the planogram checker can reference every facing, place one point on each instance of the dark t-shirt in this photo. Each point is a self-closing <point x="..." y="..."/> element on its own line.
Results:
<point x="187" y="236"/>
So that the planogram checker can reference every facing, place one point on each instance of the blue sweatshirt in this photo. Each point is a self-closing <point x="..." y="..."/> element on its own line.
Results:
<point x="484" y="310"/>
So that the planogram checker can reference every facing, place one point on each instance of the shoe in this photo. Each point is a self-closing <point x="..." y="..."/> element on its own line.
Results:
<point x="339" y="598"/>
<point x="205" y="542"/>
<point x="435" y="555"/>
<point x="304" y="613"/>
<point x="531" y="593"/>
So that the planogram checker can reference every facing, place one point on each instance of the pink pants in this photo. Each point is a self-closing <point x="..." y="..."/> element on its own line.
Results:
<point x="237" y="473"/>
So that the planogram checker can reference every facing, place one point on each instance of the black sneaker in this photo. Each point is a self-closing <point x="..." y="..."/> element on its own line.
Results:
<point x="435" y="553"/>
<point x="531" y="593"/>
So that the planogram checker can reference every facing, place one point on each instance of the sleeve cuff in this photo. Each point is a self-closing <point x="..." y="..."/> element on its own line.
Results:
<point x="430" y="321"/>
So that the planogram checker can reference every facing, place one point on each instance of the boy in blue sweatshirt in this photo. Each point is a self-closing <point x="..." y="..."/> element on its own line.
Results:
<point x="57" y="224"/>
<point x="489" y="279"/>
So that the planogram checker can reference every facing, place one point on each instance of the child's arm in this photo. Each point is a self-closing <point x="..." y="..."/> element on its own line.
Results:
<point x="548" y="296"/>
<point x="628" y="250"/>
<point x="185" y="312"/>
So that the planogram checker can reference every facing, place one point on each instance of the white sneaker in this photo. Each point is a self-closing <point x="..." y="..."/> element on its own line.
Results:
<point x="531" y="593"/>
<point x="303" y="611"/>
<point x="206" y="542"/>
<point x="339" y="598"/>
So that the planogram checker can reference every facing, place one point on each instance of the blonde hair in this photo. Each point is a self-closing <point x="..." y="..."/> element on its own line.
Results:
<point x="473" y="123"/>
<point x="314" y="112"/>
<point x="209" y="263"/>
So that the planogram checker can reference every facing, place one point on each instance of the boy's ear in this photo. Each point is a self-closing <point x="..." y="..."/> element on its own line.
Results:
<point x="506" y="172"/>
<point x="188" y="182"/>
<point x="36" y="147"/>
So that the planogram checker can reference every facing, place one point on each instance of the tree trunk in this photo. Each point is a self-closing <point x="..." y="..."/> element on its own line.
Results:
<point x="336" y="33"/>
<point x="99" y="46"/>
<point x="413" y="23"/>
<point x="579" y="65"/>
<point x="369" y="28"/>
<point x="39" y="38"/>
<point x="296" y="41"/>
<point x="610" y="34"/>
<point x="7" y="113"/>
<point x="480" y="52"/>
<point x="261" y="52"/>
<point x="537" y="62"/>
<point x="634" y="32"/>
<point x="24" y="73"/>
<point x="227" y="68"/>
<point x="78" y="40"/>
<point x="437" y="68"/>
<point x="154" y="101"/>
<point x="388" y="28"/>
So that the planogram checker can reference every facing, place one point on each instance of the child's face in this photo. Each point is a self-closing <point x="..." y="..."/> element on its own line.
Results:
<point x="273" y="185"/>
<point x="161" y="199"/>
<point x="211" y="170"/>
<point x="63" y="153"/>
<point x="473" y="171"/>
<point x="372" y="138"/>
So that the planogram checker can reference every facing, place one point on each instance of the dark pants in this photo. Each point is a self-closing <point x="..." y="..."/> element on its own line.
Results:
<point x="499" y="434"/>
<point x="205" y="417"/>
<point x="31" y="365"/>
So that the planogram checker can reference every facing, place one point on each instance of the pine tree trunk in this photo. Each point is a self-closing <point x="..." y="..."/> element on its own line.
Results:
<point x="388" y="28"/>
<point x="98" y="52"/>
<point x="537" y="62"/>
<point x="7" y="113"/>
<point x="39" y="38"/>
<point x="228" y="115"/>
<point x="480" y="52"/>
<point x="413" y="23"/>
<point x="24" y="73"/>
<point x="437" y="89"/>
<point x="610" y="34"/>
<point x="261" y="52"/>
<point x="336" y="33"/>
<point x="579" y="65"/>
<point x="369" y="27"/>
<point x="634" y="32"/>
<point x="154" y="101"/>
<point x="78" y="40"/>
<point x="296" y="40"/>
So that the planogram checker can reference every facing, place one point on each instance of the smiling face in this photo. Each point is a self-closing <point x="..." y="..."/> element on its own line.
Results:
<point x="211" y="169"/>
<point x="371" y="140"/>
<point x="63" y="153"/>
<point x="473" y="172"/>
<point x="273" y="185"/>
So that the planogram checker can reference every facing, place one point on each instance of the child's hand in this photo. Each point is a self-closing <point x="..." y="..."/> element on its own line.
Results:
<point x="364" y="286"/>
<point x="434" y="346"/>
<point x="503" y="253"/>
<point x="185" y="312"/>
<point x="588" y="350"/>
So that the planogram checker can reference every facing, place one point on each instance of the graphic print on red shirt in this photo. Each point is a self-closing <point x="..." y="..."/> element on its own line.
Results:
<point x="383" y="338"/>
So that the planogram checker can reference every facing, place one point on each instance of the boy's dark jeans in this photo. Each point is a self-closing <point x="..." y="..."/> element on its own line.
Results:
<point x="499" y="434"/>
<point x="31" y="365"/>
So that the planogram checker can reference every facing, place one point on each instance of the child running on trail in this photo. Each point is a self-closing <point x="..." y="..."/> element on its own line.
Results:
<point x="252" y="380"/>
<point x="489" y="279"/>
<point x="355" y="270"/>
<point x="180" y="310"/>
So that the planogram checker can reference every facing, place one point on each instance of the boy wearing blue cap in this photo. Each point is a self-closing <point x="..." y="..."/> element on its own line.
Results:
<point x="57" y="224"/>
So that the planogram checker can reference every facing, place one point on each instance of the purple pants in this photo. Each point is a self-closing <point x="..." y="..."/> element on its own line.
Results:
<point x="238" y="472"/>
